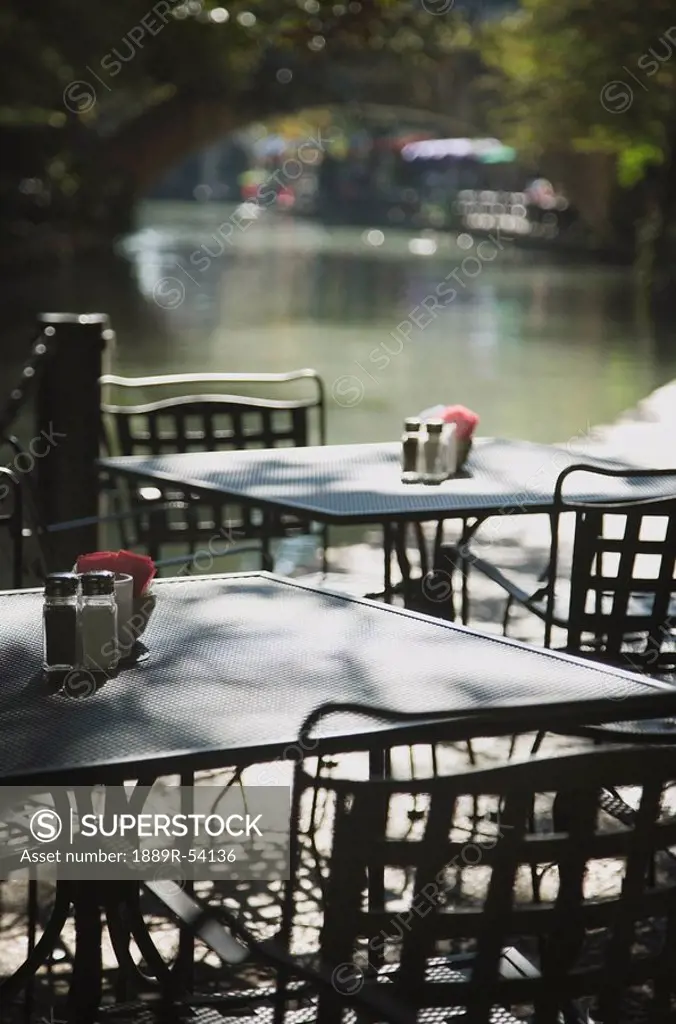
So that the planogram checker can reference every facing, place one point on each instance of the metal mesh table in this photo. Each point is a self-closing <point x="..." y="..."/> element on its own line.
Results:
<point x="360" y="483"/>
<point x="236" y="662"/>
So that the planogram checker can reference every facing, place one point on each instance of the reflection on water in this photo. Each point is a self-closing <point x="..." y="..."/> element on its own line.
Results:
<point x="540" y="350"/>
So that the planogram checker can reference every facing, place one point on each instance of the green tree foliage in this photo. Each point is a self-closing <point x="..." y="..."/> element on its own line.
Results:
<point x="594" y="74"/>
<point x="142" y="50"/>
<point x="75" y="74"/>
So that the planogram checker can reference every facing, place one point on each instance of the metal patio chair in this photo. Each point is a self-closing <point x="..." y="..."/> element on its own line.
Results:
<point x="619" y="603"/>
<point x="613" y="607"/>
<point x="484" y="951"/>
<point x="205" y="421"/>
<point x="34" y="542"/>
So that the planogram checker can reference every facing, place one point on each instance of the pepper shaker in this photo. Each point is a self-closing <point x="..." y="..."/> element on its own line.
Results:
<point x="410" y="444"/>
<point x="60" y="622"/>
<point x="98" y="622"/>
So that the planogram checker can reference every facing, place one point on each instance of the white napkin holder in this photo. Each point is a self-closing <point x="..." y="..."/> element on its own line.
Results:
<point x="449" y="442"/>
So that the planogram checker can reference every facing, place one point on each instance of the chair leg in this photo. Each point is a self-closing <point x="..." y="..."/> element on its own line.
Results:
<point x="155" y="526"/>
<point x="325" y="548"/>
<point x="475" y="799"/>
<point x="29" y="992"/>
<point x="267" y="561"/>
<point x="465" y="566"/>
<point x="535" y="877"/>
<point x="505" y="617"/>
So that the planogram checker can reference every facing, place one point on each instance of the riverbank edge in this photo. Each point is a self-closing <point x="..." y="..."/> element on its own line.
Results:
<point x="643" y="435"/>
<point x="53" y="245"/>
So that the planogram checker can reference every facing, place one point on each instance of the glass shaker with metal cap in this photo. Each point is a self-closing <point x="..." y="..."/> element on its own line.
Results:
<point x="410" y="445"/>
<point x="434" y="467"/>
<point x="60" y="622"/>
<point x="98" y="622"/>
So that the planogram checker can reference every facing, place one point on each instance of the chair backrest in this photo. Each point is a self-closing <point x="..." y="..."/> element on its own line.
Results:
<point x="410" y="871"/>
<point x="11" y="520"/>
<point x="622" y="578"/>
<point x="212" y="422"/>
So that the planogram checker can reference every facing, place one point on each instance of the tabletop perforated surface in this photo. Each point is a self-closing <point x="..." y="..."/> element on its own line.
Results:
<point x="236" y="662"/>
<point x="361" y="482"/>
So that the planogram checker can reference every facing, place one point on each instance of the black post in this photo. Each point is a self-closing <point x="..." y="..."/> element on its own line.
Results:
<point x="68" y="429"/>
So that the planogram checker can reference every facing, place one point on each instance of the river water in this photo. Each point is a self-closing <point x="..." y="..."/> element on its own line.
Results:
<point x="541" y="347"/>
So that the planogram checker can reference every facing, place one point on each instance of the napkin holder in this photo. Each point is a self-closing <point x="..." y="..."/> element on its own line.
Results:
<point x="462" y="451"/>
<point x="143" y="607"/>
<point x="449" y="445"/>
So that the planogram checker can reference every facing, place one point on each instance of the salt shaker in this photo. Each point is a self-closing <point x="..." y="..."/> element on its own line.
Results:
<point x="60" y="622"/>
<point x="434" y="469"/>
<point x="98" y="622"/>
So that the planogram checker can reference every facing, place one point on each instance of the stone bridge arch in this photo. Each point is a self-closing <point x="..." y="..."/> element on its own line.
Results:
<point x="145" y="147"/>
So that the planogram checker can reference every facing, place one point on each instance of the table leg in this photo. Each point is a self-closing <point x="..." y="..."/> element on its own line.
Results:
<point x="451" y="557"/>
<point x="400" y="531"/>
<point x="325" y="548"/>
<point x="123" y="915"/>
<point x="168" y="980"/>
<point x="468" y="532"/>
<point x="125" y="921"/>
<point x="422" y="548"/>
<point x="443" y="565"/>
<point x="120" y="939"/>
<point x="42" y="950"/>
<point x="186" y="942"/>
<point x="32" y="926"/>
<point x="379" y="768"/>
<point x="387" y="550"/>
<point x="86" y="988"/>
<point x="266" y="557"/>
<point x="464" y="571"/>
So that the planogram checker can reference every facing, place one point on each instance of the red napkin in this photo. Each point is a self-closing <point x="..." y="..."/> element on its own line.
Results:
<point x="140" y="567"/>
<point x="464" y="419"/>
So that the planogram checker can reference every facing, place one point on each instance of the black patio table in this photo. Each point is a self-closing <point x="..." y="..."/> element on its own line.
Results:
<point x="237" y="661"/>
<point x="361" y="483"/>
<point x="234" y="665"/>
